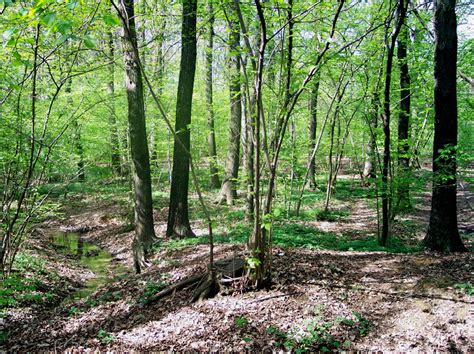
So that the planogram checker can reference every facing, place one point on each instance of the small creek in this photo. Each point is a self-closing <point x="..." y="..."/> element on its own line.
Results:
<point x="91" y="256"/>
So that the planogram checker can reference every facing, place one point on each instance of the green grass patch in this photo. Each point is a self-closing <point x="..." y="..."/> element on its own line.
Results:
<point x="298" y="236"/>
<point x="26" y="285"/>
<point x="295" y="235"/>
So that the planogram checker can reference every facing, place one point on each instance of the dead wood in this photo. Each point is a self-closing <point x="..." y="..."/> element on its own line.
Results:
<point x="207" y="284"/>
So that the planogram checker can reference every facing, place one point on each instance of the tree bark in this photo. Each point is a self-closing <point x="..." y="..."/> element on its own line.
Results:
<point x="386" y="198"/>
<point x="113" y="133"/>
<point x="443" y="234"/>
<point x="159" y="79"/>
<point x="403" y="202"/>
<point x="144" y="231"/>
<point x="313" y="123"/>
<point x="370" y="155"/>
<point x="178" y="218"/>
<point x="77" y="139"/>
<point x="211" y="139"/>
<point x="229" y="185"/>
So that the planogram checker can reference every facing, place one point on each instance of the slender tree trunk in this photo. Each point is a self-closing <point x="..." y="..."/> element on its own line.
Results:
<point x="114" y="138"/>
<point x="159" y="73"/>
<point x="178" y="218"/>
<point x="229" y="185"/>
<point x="330" y="158"/>
<point x="370" y="156"/>
<point x="211" y="139"/>
<point x="386" y="124"/>
<point x="144" y="231"/>
<point x="257" y="240"/>
<point x="403" y="122"/>
<point x="249" y="159"/>
<point x="77" y="139"/>
<point x="313" y="123"/>
<point x="443" y="234"/>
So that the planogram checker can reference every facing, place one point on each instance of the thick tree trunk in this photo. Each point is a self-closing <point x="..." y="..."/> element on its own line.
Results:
<point x="443" y="234"/>
<point x="211" y="139"/>
<point x="229" y="185"/>
<point x="144" y="231"/>
<point x="403" y="201"/>
<point x="114" y="137"/>
<point x="178" y="218"/>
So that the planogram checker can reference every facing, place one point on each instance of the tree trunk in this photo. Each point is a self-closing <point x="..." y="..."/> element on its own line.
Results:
<point x="114" y="138"/>
<point x="211" y="139"/>
<point x="144" y="231"/>
<point x="443" y="234"/>
<point x="229" y="185"/>
<point x="370" y="156"/>
<point x="386" y="124"/>
<point x="77" y="140"/>
<point x="159" y="73"/>
<point x="178" y="218"/>
<point x="403" y="202"/>
<point x="313" y="121"/>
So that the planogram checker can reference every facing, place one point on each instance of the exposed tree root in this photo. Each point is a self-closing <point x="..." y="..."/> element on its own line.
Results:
<point x="208" y="284"/>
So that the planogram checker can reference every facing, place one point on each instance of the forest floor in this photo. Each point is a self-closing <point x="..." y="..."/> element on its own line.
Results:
<point x="347" y="298"/>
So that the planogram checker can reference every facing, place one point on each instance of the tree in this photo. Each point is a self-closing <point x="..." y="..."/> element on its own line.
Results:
<point x="144" y="230"/>
<point x="229" y="185"/>
<point x="114" y="137"/>
<point x="313" y="121"/>
<point x="443" y="234"/>
<point x="403" y="199"/>
<point x="178" y="218"/>
<point x="211" y="140"/>
<point x="402" y="10"/>
<point x="77" y="140"/>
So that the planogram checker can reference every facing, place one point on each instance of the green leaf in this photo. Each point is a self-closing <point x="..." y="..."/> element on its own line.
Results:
<point x="16" y="55"/>
<point x="111" y="20"/>
<point x="72" y="4"/>
<point x="62" y="39"/>
<point x="64" y="27"/>
<point x="89" y="42"/>
<point x="48" y="18"/>
<point x="8" y="34"/>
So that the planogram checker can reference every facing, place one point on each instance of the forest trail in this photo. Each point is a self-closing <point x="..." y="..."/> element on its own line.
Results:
<point x="356" y="300"/>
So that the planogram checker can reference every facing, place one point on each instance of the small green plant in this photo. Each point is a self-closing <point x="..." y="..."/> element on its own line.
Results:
<point x="363" y="324"/>
<point x="321" y="335"/>
<point x="252" y="262"/>
<point x="3" y="337"/>
<point x="105" y="337"/>
<point x="73" y="311"/>
<point x="150" y="289"/>
<point x="110" y="297"/>
<point x="241" y="321"/>
<point x="465" y="287"/>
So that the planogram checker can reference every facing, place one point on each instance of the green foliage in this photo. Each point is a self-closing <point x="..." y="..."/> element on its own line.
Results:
<point x="467" y="288"/>
<point x="150" y="289"/>
<point x="27" y="284"/>
<point x="105" y="337"/>
<point x="4" y="336"/>
<point x="295" y="235"/>
<point x="321" y="335"/>
<point x="252" y="262"/>
<point x="241" y="321"/>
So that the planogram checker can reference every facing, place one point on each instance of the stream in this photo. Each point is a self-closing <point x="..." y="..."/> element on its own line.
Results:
<point x="92" y="257"/>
